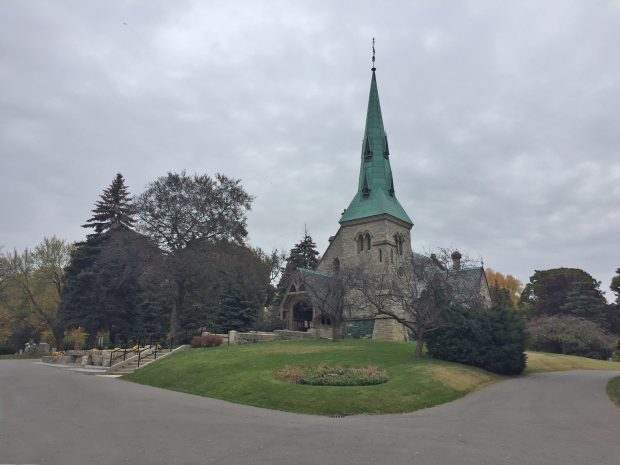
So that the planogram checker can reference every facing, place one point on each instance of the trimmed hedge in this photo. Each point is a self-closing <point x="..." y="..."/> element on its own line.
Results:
<point x="491" y="339"/>
<point x="570" y="335"/>
<point x="7" y="350"/>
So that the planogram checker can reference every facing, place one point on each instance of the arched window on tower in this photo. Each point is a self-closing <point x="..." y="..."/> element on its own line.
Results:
<point x="367" y="241"/>
<point x="399" y="242"/>
<point x="360" y="243"/>
<point x="380" y="255"/>
<point x="336" y="265"/>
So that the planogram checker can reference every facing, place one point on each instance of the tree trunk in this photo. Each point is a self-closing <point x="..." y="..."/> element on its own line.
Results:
<point x="334" y="331"/>
<point x="419" y="343"/>
<point x="59" y="334"/>
<point x="177" y="305"/>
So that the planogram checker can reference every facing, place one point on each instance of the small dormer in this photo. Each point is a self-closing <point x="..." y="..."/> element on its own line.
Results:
<point x="367" y="149"/>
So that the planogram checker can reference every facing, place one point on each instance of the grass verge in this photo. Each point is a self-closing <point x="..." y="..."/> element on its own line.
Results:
<point x="246" y="374"/>
<point x="540" y="362"/>
<point x="613" y="389"/>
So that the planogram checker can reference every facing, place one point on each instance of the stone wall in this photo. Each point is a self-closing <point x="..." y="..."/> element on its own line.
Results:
<point x="94" y="357"/>
<point x="387" y="329"/>
<point x="235" y="337"/>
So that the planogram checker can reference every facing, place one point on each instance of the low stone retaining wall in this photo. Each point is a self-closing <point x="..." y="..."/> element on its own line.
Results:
<point x="235" y="337"/>
<point x="81" y="357"/>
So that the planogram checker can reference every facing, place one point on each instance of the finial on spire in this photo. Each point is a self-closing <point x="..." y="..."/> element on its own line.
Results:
<point x="373" y="54"/>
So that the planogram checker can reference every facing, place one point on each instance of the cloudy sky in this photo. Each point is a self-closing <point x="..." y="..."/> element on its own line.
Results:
<point x="503" y="117"/>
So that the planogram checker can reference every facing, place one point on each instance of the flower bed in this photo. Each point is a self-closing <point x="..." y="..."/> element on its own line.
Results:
<point x="325" y="375"/>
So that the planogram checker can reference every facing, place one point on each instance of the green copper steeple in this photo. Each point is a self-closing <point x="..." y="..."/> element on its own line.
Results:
<point x="375" y="193"/>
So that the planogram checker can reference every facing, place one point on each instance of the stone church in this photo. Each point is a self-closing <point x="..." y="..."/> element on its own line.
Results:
<point x="374" y="229"/>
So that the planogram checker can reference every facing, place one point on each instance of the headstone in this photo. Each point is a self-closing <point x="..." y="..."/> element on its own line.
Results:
<point x="233" y="337"/>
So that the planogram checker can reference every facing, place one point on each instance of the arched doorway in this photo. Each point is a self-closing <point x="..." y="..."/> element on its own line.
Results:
<point x="302" y="315"/>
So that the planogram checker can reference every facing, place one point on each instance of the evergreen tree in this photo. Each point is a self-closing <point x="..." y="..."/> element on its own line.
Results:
<point x="303" y="255"/>
<point x="241" y="287"/>
<point x="114" y="209"/>
<point x="615" y="286"/>
<point x="103" y="287"/>
<point x="569" y="291"/>
<point x="586" y="301"/>
<point x="80" y="304"/>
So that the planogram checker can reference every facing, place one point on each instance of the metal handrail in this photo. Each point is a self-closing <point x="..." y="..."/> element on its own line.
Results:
<point x="155" y="344"/>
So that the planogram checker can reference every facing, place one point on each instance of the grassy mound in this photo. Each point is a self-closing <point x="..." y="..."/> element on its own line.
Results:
<point x="246" y="374"/>
<point x="613" y="389"/>
<point x="325" y="375"/>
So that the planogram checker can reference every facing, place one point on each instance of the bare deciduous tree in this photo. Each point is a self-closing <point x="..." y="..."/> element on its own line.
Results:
<point x="415" y="293"/>
<point x="329" y="294"/>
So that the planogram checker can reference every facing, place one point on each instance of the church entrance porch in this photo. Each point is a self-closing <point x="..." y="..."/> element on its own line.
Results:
<point x="303" y="315"/>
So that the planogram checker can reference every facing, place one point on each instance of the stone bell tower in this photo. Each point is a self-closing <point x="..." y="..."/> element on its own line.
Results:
<point x="374" y="230"/>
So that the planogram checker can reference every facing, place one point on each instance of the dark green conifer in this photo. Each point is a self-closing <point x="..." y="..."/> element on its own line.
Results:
<point x="303" y="255"/>
<point x="114" y="208"/>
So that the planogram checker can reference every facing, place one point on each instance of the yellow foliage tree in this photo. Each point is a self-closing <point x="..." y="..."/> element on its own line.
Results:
<point x="509" y="282"/>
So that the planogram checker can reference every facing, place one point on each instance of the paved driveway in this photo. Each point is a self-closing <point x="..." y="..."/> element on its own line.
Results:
<point x="50" y="416"/>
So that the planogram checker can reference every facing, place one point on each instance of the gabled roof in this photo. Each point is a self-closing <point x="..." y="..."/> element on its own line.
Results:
<point x="375" y="194"/>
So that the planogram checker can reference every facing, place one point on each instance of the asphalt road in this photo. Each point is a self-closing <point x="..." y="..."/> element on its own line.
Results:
<point x="50" y="416"/>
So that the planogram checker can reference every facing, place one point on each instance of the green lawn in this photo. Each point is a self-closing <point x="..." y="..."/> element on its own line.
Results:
<point x="613" y="389"/>
<point x="246" y="374"/>
<point x="542" y="361"/>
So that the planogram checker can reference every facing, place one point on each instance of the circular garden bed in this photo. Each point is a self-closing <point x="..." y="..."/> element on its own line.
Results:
<point x="325" y="375"/>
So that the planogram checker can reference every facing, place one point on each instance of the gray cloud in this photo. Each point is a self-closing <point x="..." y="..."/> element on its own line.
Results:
<point x="503" y="118"/>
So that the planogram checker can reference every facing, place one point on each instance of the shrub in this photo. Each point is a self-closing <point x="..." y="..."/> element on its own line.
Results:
<point x="490" y="339"/>
<point x="7" y="350"/>
<point x="570" y="335"/>
<point x="74" y="338"/>
<point x="207" y="340"/>
<point x="325" y="375"/>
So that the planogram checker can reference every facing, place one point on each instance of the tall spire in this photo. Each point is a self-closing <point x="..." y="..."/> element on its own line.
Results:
<point x="375" y="193"/>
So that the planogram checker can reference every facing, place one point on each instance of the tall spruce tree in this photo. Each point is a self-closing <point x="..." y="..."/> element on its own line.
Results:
<point x="102" y="287"/>
<point x="303" y="255"/>
<point x="114" y="208"/>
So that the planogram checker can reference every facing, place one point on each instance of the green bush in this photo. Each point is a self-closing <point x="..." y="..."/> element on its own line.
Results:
<point x="325" y="375"/>
<point x="571" y="336"/>
<point x="7" y="350"/>
<point x="491" y="339"/>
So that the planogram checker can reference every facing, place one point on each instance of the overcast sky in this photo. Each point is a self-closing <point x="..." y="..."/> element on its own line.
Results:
<point x="503" y="117"/>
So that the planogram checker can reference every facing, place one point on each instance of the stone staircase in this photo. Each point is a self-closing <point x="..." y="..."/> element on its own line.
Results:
<point x="135" y="362"/>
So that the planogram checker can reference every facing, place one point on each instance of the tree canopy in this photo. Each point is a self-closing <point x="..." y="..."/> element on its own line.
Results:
<point x="503" y="285"/>
<point x="179" y="210"/>
<point x="113" y="209"/>
<point x="183" y="214"/>
<point x="565" y="291"/>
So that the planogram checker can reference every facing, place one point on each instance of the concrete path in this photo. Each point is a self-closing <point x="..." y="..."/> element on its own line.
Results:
<point x="55" y="417"/>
